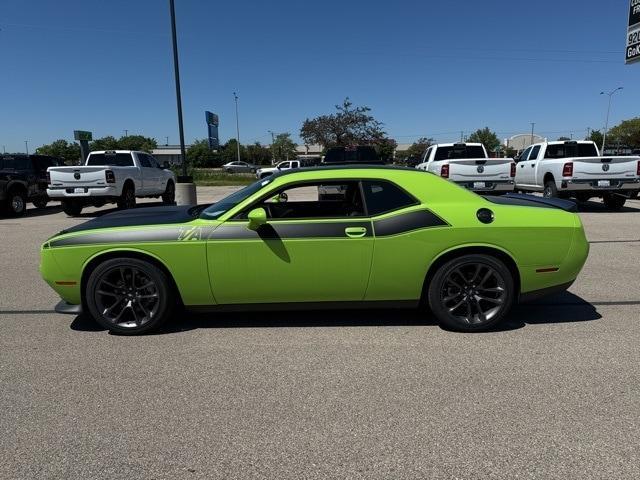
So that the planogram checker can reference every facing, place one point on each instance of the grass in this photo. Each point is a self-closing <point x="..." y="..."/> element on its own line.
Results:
<point x="214" y="177"/>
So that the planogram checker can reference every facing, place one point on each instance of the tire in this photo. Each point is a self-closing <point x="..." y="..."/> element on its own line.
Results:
<point x="73" y="208"/>
<point x="40" y="203"/>
<point x="16" y="203"/>
<point x="128" y="197"/>
<point x="451" y="292"/>
<point x="614" y="202"/>
<point x="129" y="296"/>
<point x="169" y="195"/>
<point x="550" y="189"/>
<point x="634" y="195"/>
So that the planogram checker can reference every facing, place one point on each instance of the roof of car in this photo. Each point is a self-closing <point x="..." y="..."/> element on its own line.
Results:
<point x="361" y="166"/>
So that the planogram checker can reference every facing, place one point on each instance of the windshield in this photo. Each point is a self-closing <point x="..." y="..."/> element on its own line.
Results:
<point x="216" y="210"/>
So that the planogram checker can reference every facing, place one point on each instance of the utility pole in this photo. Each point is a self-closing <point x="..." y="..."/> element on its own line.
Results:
<point x="588" y="133"/>
<point x="26" y="146"/>
<point x="532" y="126"/>
<point x="235" y="97"/>
<point x="4" y="150"/>
<point x="126" y="132"/>
<point x="606" y="125"/>
<point x="461" y="136"/>
<point x="167" y="137"/>
<point x="273" y="156"/>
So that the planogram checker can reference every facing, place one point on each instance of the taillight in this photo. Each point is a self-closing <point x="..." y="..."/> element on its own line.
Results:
<point x="49" y="175"/>
<point x="444" y="171"/>
<point x="638" y="170"/>
<point x="567" y="170"/>
<point x="110" y="176"/>
<point x="513" y="169"/>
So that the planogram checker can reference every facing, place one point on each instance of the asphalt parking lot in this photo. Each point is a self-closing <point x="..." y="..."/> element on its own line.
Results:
<point x="377" y="394"/>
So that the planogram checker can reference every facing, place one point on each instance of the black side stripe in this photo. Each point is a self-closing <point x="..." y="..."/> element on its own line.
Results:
<point x="275" y="230"/>
<point x="407" y="222"/>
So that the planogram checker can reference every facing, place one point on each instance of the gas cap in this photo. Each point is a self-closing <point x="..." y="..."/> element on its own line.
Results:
<point x="485" y="215"/>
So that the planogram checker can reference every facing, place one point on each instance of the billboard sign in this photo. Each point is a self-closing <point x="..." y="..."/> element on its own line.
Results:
<point x="212" y="128"/>
<point x="82" y="135"/>
<point x="632" y="50"/>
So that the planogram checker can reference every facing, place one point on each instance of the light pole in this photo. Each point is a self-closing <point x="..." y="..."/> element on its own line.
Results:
<point x="126" y="132"/>
<point x="273" y="152"/>
<point x="26" y="146"/>
<point x="606" y="125"/>
<point x="235" y="97"/>
<point x="533" y="124"/>
<point x="176" y="69"/>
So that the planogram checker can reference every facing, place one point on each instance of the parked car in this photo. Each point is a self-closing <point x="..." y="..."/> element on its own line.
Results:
<point x="398" y="237"/>
<point x="280" y="167"/>
<point x="469" y="165"/>
<point x="239" y="167"/>
<point x="111" y="176"/>
<point x="574" y="169"/>
<point x="23" y="180"/>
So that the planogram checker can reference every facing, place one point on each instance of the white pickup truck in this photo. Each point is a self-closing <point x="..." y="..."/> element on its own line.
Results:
<point x="576" y="169"/>
<point x="110" y="176"/>
<point x="286" y="165"/>
<point x="468" y="165"/>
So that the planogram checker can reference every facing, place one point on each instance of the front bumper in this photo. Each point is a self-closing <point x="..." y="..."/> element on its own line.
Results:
<point x="488" y="185"/>
<point x="72" y="192"/>
<point x="614" y="184"/>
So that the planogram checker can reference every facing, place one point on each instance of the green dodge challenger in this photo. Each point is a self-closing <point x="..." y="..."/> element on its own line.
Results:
<point x="327" y="237"/>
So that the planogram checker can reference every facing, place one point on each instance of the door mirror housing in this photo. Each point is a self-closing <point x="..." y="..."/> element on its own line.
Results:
<point x="257" y="217"/>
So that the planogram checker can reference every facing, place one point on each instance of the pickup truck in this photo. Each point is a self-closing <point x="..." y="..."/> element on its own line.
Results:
<point x="286" y="165"/>
<point x="110" y="176"/>
<point x="576" y="169"/>
<point x="468" y="165"/>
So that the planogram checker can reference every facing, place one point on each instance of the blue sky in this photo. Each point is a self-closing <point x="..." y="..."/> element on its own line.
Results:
<point x="426" y="68"/>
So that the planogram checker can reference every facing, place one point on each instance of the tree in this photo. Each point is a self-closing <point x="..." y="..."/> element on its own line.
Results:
<point x="349" y="125"/>
<point x="625" y="133"/>
<point x="69" y="152"/>
<point x="130" y="142"/>
<point x="105" y="143"/>
<point x="485" y="136"/>
<point x="385" y="148"/>
<point x="258" y="154"/>
<point x="415" y="152"/>
<point x="596" y="137"/>
<point x="230" y="152"/>
<point x="283" y="147"/>
<point x="199" y="155"/>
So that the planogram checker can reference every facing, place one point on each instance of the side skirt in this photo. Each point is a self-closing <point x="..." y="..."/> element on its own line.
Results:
<point x="357" y="305"/>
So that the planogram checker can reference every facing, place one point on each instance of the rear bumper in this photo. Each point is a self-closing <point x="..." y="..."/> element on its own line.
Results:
<point x="67" y="308"/>
<point x="615" y="184"/>
<point x="87" y="192"/>
<point x="488" y="185"/>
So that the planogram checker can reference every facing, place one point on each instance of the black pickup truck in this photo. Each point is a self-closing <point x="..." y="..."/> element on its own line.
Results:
<point x="23" y="179"/>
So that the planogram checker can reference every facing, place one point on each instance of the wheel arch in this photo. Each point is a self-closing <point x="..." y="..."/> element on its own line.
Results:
<point x="484" y="249"/>
<point x="91" y="263"/>
<point x="548" y="177"/>
<point x="128" y="181"/>
<point x="18" y="185"/>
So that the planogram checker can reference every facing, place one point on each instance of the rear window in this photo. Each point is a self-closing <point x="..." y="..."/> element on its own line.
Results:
<point x="110" y="159"/>
<point x="459" y="152"/>
<point x="382" y="197"/>
<point x="362" y="154"/>
<point x="566" y="150"/>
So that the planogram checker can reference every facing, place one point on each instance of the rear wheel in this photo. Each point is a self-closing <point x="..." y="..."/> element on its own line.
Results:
<point x="73" y="208"/>
<point x="128" y="197"/>
<point x="40" y="203"/>
<point x="614" y="202"/>
<point x="471" y="293"/>
<point x="169" y="195"/>
<point x="129" y="296"/>
<point x="16" y="203"/>
<point x="550" y="189"/>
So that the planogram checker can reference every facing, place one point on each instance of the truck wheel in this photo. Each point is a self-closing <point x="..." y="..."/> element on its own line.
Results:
<point x="73" y="208"/>
<point x="128" y="198"/>
<point x="550" y="189"/>
<point x="613" y="202"/>
<point x="634" y="194"/>
<point x="169" y="195"/>
<point x="16" y="203"/>
<point x="129" y="296"/>
<point x="471" y="293"/>
<point x="40" y="203"/>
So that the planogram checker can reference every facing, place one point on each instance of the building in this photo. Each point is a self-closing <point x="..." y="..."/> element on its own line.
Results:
<point x="522" y="140"/>
<point x="168" y="153"/>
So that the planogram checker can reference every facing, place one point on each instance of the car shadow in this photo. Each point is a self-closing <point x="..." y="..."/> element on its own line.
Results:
<point x="561" y="308"/>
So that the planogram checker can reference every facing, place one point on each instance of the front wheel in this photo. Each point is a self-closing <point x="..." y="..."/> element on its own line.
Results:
<point x="73" y="208"/>
<point x="129" y="296"/>
<point x="614" y="202"/>
<point x="16" y="203"/>
<point x="471" y="293"/>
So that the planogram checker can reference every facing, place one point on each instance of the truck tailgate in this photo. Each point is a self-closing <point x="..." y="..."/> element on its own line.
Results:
<point x="604" y="167"/>
<point x="469" y="169"/>
<point x="77" y="176"/>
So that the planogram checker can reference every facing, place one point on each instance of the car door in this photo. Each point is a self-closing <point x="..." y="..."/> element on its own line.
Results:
<point x="523" y="174"/>
<point x="150" y="177"/>
<point x="160" y="174"/>
<point x="311" y="249"/>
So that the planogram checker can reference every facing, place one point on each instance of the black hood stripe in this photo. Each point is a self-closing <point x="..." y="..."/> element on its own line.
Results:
<point x="393" y="225"/>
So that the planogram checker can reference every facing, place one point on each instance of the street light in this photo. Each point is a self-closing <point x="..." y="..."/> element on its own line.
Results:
<point x="176" y="70"/>
<point x="606" y="125"/>
<point x="235" y="97"/>
<point x="26" y="146"/>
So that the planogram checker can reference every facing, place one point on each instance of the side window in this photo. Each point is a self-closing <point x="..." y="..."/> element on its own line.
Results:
<point x="144" y="161"/>
<point x="382" y="196"/>
<point x="153" y="162"/>
<point x="534" y="152"/>
<point x="314" y="200"/>
<point x="284" y="165"/>
<point x="524" y="155"/>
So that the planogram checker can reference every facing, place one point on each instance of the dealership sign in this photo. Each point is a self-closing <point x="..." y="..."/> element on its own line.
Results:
<point x="632" y="50"/>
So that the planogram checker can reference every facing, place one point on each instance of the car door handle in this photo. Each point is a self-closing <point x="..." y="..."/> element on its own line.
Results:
<point x="522" y="165"/>
<point x="355" y="232"/>
<point x="532" y="165"/>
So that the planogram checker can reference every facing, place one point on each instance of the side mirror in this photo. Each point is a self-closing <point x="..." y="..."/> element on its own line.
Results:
<point x="257" y="217"/>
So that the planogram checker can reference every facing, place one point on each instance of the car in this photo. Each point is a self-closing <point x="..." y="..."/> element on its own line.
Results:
<point x="397" y="237"/>
<point x="279" y="167"/>
<point x="111" y="176"/>
<point x="239" y="167"/>
<point x="23" y="179"/>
